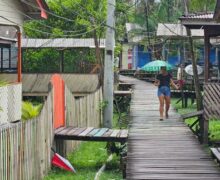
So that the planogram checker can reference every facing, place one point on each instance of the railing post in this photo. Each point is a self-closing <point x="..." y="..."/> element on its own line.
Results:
<point x="204" y="130"/>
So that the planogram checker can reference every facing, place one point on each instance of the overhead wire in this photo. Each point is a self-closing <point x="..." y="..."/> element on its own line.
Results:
<point x="29" y="17"/>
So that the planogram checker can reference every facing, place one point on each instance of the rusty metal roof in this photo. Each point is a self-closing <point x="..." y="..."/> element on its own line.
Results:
<point x="61" y="43"/>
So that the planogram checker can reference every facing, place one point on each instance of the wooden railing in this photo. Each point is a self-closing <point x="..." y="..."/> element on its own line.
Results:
<point x="212" y="101"/>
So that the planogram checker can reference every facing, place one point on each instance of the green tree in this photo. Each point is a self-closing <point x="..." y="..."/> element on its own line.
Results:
<point x="78" y="19"/>
<point x="201" y="5"/>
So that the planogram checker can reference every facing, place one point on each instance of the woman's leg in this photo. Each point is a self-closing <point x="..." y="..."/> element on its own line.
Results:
<point x="167" y="105"/>
<point x="161" y="99"/>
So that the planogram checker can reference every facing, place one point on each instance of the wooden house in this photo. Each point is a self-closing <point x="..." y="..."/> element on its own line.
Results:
<point x="13" y="13"/>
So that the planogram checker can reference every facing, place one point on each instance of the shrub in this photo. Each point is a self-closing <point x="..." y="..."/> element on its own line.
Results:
<point x="29" y="111"/>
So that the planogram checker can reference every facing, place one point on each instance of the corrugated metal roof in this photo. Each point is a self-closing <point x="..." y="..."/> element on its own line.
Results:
<point x="201" y="16"/>
<point x="9" y="40"/>
<point x="175" y="30"/>
<point x="38" y="83"/>
<point x="61" y="43"/>
<point x="133" y="26"/>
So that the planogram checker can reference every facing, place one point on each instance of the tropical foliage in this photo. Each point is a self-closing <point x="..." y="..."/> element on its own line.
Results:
<point x="3" y="83"/>
<point x="30" y="111"/>
<point x="73" y="19"/>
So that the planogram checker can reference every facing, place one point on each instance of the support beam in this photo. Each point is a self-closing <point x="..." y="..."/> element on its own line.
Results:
<point x="108" y="69"/>
<point x="19" y="57"/>
<point x="206" y="54"/>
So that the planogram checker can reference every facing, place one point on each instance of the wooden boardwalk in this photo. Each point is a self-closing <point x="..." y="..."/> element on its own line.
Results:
<point x="163" y="150"/>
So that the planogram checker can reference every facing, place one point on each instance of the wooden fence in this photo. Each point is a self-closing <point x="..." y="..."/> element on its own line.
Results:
<point x="82" y="112"/>
<point x="25" y="147"/>
<point x="10" y="103"/>
<point x="212" y="101"/>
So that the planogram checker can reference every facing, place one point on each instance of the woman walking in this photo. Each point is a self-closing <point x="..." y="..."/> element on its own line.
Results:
<point x="163" y="81"/>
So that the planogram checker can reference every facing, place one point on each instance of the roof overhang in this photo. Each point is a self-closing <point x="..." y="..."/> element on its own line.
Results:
<point x="177" y="31"/>
<point x="35" y="8"/>
<point x="204" y="21"/>
<point x="61" y="43"/>
<point x="199" y="20"/>
<point x="6" y="42"/>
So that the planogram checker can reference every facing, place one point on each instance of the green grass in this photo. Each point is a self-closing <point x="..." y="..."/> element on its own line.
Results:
<point x="214" y="124"/>
<point x="87" y="160"/>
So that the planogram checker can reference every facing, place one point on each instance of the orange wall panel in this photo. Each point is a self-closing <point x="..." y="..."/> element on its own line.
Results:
<point x="58" y="101"/>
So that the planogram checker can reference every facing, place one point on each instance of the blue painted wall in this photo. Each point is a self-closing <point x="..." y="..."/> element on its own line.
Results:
<point x="141" y="57"/>
<point x="174" y="60"/>
<point x="201" y="56"/>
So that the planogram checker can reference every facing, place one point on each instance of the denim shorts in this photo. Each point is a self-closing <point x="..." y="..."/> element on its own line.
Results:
<point x="163" y="91"/>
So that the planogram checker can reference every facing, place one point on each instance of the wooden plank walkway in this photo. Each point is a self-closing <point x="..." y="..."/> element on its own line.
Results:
<point x="162" y="150"/>
<point x="91" y="134"/>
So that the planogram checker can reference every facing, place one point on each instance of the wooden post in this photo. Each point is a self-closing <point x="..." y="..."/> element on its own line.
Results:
<point x="204" y="123"/>
<point x="19" y="57"/>
<point x="61" y="61"/>
<point x="204" y="126"/>
<point x="206" y="54"/>
<point x="108" y="69"/>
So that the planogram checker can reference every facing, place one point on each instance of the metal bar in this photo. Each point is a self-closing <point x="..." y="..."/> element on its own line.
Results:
<point x="19" y="57"/>
<point x="206" y="54"/>
<point x="1" y="59"/>
<point x="9" y="58"/>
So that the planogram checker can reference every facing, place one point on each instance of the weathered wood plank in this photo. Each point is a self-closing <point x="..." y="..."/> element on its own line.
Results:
<point x="216" y="153"/>
<point x="86" y="131"/>
<point x="101" y="132"/>
<point x="93" y="132"/>
<point x="115" y="133"/>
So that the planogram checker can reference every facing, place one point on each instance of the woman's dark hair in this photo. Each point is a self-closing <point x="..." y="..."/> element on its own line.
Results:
<point x="163" y="68"/>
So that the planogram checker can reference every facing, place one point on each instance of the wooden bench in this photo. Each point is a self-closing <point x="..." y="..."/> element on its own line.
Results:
<point x="216" y="154"/>
<point x="124" y="86"/>
<point x="91" y="134"/>
<point x="122" y="93"/>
